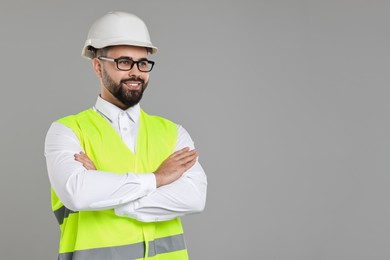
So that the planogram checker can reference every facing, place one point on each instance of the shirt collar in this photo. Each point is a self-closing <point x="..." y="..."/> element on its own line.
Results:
<point x="112" y="112"/>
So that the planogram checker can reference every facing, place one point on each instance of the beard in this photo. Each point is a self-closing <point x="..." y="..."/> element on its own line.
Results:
<point x="126" y="96"/>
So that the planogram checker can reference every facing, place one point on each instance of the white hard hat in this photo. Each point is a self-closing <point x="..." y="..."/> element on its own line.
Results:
<point x="117" y="28"/>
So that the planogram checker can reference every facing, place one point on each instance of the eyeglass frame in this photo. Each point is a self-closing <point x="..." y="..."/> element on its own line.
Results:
<point x="129" y="59"/>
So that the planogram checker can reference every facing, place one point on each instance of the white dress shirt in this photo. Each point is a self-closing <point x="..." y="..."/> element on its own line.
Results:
<point x="131" y="195"/>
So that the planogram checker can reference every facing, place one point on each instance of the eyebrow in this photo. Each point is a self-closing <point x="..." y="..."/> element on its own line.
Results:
<point x="131" y="58"/>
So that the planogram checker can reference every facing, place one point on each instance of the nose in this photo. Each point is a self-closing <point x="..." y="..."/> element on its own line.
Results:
<point x="134" y="72"/>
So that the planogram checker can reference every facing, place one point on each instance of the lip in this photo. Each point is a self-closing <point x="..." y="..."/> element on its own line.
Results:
<point x="133" y="85"/>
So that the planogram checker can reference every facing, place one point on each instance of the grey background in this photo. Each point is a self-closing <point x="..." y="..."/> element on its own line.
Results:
<point x="287" y="102"/>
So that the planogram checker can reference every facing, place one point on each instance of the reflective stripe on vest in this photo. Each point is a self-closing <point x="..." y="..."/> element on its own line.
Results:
<point x="101" y="235"/>
<point x="134" y="251"/>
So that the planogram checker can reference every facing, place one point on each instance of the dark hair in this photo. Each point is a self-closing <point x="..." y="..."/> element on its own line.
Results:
<point x="102" y="51"/>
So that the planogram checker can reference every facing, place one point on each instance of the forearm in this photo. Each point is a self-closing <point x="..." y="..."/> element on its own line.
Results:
<point x="185" y="196"/>
<point x="97" y="190"/>
<point x="81" y="189"/>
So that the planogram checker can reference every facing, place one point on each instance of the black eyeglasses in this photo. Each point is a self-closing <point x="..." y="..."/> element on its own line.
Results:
<point x="126" y="63"/>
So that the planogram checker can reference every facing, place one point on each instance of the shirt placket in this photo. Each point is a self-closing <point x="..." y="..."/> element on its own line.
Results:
<point x="125" y="125"/>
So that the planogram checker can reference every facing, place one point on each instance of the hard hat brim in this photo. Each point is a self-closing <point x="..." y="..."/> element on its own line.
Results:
<point x="98" y="44"/>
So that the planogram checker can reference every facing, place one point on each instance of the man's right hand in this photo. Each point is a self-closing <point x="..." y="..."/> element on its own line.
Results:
<point x="174" y="166"/>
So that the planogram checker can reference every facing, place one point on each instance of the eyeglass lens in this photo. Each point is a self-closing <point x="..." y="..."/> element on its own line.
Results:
<point x="127" y="64"/>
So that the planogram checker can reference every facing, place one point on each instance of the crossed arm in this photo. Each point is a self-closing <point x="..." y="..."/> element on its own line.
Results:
<point x="169" y="171"/>
<point x="176" y="188"/>
<point x="180" y="192"/>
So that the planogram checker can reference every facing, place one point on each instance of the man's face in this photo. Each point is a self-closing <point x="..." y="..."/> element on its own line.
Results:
<point x="123" y="88"/>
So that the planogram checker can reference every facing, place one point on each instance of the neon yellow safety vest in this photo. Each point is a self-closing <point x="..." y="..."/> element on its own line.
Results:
<point x="101" y="235"/>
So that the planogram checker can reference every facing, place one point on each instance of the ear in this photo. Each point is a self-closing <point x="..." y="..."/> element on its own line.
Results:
<point x="97" y="67"/>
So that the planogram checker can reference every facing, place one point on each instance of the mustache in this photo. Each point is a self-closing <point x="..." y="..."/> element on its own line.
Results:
<point x="133" y="79"/>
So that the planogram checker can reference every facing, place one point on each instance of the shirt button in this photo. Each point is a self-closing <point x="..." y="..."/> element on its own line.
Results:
<point x="125" y="129"/>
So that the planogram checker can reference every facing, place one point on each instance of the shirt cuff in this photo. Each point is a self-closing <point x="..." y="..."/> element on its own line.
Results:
<point x="148" y="182"/>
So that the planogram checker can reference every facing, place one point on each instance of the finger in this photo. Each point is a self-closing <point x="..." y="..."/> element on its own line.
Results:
<point x="79" y="157"/>
<point x="188" y="157"/>
<point x="89" y="166"/>
<point x="82" y="159"/>
<point x="179" y="152"/>
<point x="185" y="154"/>
<point x="190" y="164"/>
<point x="88" y="162"/>
<point x="82" y="156"/>
<point x="85" y="161"/>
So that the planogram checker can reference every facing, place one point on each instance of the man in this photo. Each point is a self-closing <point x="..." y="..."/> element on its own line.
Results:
<point x="122" y="178"/>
